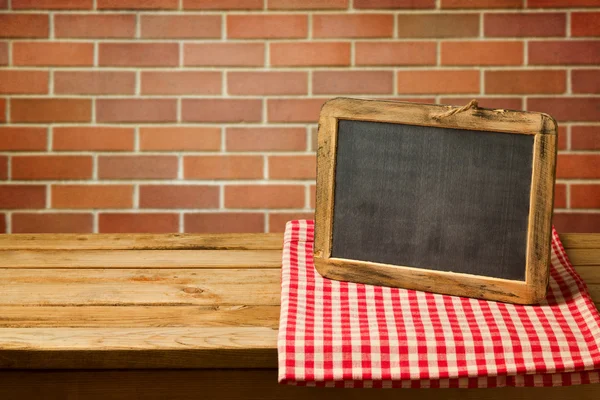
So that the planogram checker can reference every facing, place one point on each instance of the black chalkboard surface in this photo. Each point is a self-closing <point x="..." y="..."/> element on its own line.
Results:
<point x="458" y="204"/>
<point x="444" y="199"/>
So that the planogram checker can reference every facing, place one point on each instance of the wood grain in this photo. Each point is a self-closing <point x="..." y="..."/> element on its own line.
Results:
<point x="236" y="384"/>
<point x="79" y="259"/>
<point x="580" y="240"/>
<point x="527" y="123"/>
<point x="119" y="287"/>
<point x="81" y="316"/>
<point x="584" y="256"/>
<point x="170" y="241"/>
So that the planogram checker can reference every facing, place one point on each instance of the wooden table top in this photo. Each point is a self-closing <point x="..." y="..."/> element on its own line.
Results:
<point x="157" y="301"/>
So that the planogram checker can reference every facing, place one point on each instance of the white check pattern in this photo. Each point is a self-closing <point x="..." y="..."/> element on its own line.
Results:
<point x="344" y="334"/>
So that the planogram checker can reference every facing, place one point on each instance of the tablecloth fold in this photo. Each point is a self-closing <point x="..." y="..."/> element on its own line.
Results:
<point x="344" y="334"/>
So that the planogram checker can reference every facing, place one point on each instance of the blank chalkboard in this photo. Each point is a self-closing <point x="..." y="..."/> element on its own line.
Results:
<point x="444" y="199"/>
<point x="455" y="201"/>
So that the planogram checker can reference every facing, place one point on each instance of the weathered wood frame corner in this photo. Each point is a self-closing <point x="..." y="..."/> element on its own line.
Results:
<point x="544" y="129"/>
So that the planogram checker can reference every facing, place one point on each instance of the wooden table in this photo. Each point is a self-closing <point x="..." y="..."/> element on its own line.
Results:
<point x="172" y="316"/>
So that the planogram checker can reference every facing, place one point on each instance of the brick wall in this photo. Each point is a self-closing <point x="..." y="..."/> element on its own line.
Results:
<point x="199" y="115"/>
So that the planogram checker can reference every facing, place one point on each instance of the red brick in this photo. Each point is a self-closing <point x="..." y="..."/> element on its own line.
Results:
<point x="266" y="83"/>
<point x="482" y="53"/>
<point x="525" y="82"/>
<point x="435" y="82"/>
<point x="294" y="110"/>
<point x="181" y="82"/>
<point x="267" y="26"/>
<point x="265" y="139"/>
<point x="560" y="196"/>
<point x="585" y="196"/>
<point x="277" y="221"/>
<point x="22" y="138"/>
<point x="3" y="168"/>
<point x="24" y="25"/>
<point x="353" y="82"/>
<point x="138" y="5"/>
<point x="137" y="167"/>
<point x="352" y="25"/>
<point x="222" y="5"/>
<point x="94" y="26"/>
<point x="221" y="110"/>
<point x="585" y="81"/>
<point x="3" y="53"/>
<point x="139" y="54"/>
<point x="180" y="139"/>
<point x="562" y="137"/>
<point x="313" y="196"/>
<point x="94" y="82"/>
<point x="224" y="222"/>
<point x="438" y="25"/>
<point x="136" y="110"/>
<point x="92" y="196"/>
<point x="585" y="137"/>
<point x="138" y="223"/>
<point x="224" y="54"/>
<point x="3" y="110"/>
<point x="23" y="81"/>
<point x="521" y="25"/>
<point x="308" y="4"/>
<point x="50" y="110"/>
<point x="393" y="4"/>
<point x="52" y="4"/>
<point x="401" y="53"/>
<point x="179" y="196"/>
<point x="578" y="166"/>
<point x="52" y="223"/>
<point x="567" y="109"/>
<point x="577" y="222"/>
<point x="223" y="167"/>
<point x="482" y="4"/>
<point x="264" y="196"/>
<point x="51" y="167"/>
<point x="3" y="223"/>
<point x="561" y="3"/>
<point x="585" y="24"/>
<point x="92" y="138"/>
<point x="293" y="167"/>
<point x="53" y="54"/>
<point x="3" y="6"/>
<point x="181" y="26"/>
<point x="303" y="54"/>
<point x="508" y="103"/>
<point x="567" y="52"/>
<point x="22" y="196"/>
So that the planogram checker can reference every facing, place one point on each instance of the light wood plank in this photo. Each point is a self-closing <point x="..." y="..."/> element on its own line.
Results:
<point x="580" y="240"/>
<point x="106" y="348"/>
<point x="584" y="256"/>
<point x="114" y="287"/>
<point x="137" y="316"/>
<point x="589" y="273"/>
<point x="594" y="292"/>
<point x="235" y="384"/>
<point x="181" y="241"/>
<point x="140" y="259"/>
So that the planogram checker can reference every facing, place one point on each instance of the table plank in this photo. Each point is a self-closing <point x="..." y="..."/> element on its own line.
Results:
<point x="121" y="287"/>
<point x="137" y="316"/>
<point x="78" y="259"/>
<point x="183" y="347"/>
<point x="580" y="240"/>
<point x="171" y="241"/>
<point x="584" y="256"/>
<point x="236" y="384"/>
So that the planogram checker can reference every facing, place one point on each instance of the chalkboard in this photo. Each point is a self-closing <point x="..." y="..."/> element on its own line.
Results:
<point x="458" y="204"/>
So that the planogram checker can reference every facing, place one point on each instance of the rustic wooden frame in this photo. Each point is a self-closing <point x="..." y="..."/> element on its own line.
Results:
<point x="544" y="129"/>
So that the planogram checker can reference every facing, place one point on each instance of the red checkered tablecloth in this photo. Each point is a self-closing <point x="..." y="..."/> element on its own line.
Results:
<point x="343" y="334"/>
